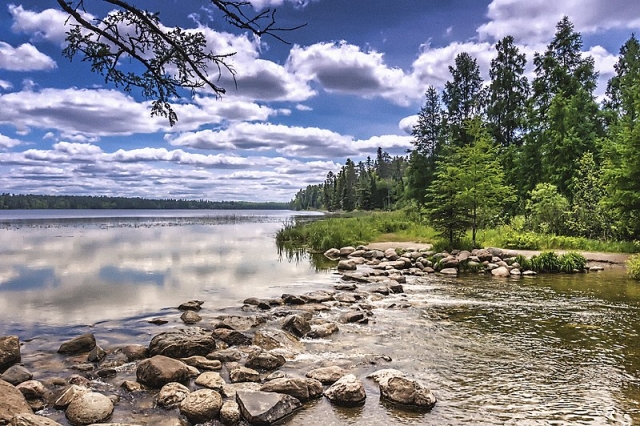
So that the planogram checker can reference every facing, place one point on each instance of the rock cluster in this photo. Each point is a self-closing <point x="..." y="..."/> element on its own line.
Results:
<point x="226" y="370"/>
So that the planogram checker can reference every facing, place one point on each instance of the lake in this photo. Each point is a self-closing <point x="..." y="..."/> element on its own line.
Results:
<point x="555" y="349"/>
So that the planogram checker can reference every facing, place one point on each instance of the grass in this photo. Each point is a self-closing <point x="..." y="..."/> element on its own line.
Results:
<point x="633" y="267"/>
<point x="406" y="225"/>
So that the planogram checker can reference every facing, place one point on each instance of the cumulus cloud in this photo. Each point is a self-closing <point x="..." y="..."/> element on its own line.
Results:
<point x="24" y="58"/>
<point x="534" y="21"/>
<point x="408" y="123"/>
<point x="5" y="85"/>
<point x="46" y="25"/>
<point x="7" y="142"/>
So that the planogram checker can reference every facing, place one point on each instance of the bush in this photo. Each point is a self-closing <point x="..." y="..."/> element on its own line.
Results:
<point x="549" y="261"/>
<point x="633" y="267"/>
<point x="572" y="261"/>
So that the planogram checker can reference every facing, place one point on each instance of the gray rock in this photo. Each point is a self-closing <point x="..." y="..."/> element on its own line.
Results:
<point x="225" y="355"/>
<point x="332" y="253"/>
<point x="78" y="345"/>
<point x="529" y="273"/>
<point x="16" y="374"/>
<point x="296" y="325"/>
<point x="354" y="317"/>
<point x="69" y="394"/>
<point x="347" y="297"/>
<point x="182" y="343"/>
<point x="317" y="297"/>
<point x="265" y="408"/>
<point x="230" y="413"/>
<point x="201" y="406"/>
<point x="131" y="386"/>
<point x="347" y="391"/>
<point x="290" y="299"/>
<point x="135" y="352"/>
<point x="159" y="370"/>
<point x="384" y="375"/>
<point x="448" y="262"/>
<point x="407" y="392"/>
<point x="12" y="402"/>
<point x="191" y="305"/>
<point x="32" y="389"/>
<point x="303" y="389"/>
<point x="596" y="268"/>
<point x="88" y="408"/>
<point x="229" y="390"/>
<point x="190" y="317"/>
<point x="346" y="251"/>
<point x="483" y="255"/>
<point x="243" y="374"/>
<point x="500" y="271"/>
<point x="172" y="394"/>
<point x="9" y="351"/>
<point x="273" y="339"/>
<point x="32" y="420"/>
<point x="391" y="254"/>
<point x="327" y="375"/>
<point x="263" y="360"/>
<point x="449" y="271"/>
<point x="319" y="331"/>
<point x="210" y="380"/>
<point x="515" y="272"/>
<point x="347" y="265"/>
<point x="97" y="354"/>
<point x="232" y="337"/>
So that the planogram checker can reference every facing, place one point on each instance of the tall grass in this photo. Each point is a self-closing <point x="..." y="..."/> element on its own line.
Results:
<point x="633" y="267"/>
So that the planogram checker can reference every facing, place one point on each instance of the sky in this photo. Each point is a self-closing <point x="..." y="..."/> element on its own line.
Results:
<point x="351" y="80"/>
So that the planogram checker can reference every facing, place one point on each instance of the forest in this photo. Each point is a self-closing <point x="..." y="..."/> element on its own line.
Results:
<point x="27" y="201"/>
<point x="543" y="156"/>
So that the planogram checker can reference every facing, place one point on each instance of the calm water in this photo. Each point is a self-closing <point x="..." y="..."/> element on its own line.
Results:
<point x="555" y="349"/>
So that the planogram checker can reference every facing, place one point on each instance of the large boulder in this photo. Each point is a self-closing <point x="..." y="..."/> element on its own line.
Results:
<point x="319" y="331"/>
<point x="271" y="339"/>
<point x="159" y="370"/>
<point x="16" y="374"/>
<point x="182" y="343"/>
<point x="296" y="325"/>
<point x="407" y="392"/>
<point x="88" y="408"/>
<point x="265" y="408"/>
<point x="347" y="265"/>
<point x="303" y="389"/>
<point x="12" y="402"/>
<point x="201" y="406"/>
<point x="332" y="253"/>
<point x="9" y="351"/>
<point x="346" y="251"/>
<point x="232" y="337"/>
<point x="500" y="271"/>
<point x="348" y="391"/>
<point x="78" y="345"/>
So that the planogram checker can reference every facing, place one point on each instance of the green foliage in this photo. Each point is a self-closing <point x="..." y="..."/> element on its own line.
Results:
<point x="571" y="262"/>
<point x="633" y="267"/>
<point x="547" y="209"/>
<point x="546" y="261"/>
<point x="524" y="262"/>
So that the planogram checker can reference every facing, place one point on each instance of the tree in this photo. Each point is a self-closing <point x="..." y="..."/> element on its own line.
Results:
<point x="427" y="141"/>
<point x="621" y="93"/>
<point x="171" y="58"/>
<point x="462" y="96"/>
<point x="547" y="209"/>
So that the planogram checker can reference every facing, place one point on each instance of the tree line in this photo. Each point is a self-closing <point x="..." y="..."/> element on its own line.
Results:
<point x="28" y="201"/>
<point x="544" y="154"/>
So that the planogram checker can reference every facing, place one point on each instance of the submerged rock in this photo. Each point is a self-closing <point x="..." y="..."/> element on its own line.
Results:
<point x="265" y="408"/>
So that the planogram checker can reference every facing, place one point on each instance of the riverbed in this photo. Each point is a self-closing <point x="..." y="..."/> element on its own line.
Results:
<point x="554" y="349"/>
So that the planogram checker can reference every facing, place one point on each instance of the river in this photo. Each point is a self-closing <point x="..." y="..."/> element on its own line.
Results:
<point x="555" y="349"/>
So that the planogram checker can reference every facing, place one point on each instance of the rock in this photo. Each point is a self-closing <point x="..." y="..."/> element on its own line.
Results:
<point x="317" y="297"/>
<point x="391" y="254"/>
<point x="347" y="265"/>
<point x="347" y="297"/>
<point x="319" y="331"/>
<point x="159" y="370"/>
<point x="135" y="352"/>
<point x="230" y="413"/>
<point x="225" y="355"/>
<point x="32" y="389"/>
<point x="211" y="380"/>
<point x="88" y="408"/>
<point x="303" y="389"/>
<point x="384" y="375"/>
<point x="407" y="392"/>
<point x="500" y="271"/>
<point x="449" y="262"/>
<point x="346" y="251"/>
<point x="596" y="268"/>
<point x="16" y="374"/>
<point x="131" y="386"/>
<point x="393" y="264"/>
<point x="201" y="405"/>
<point x="12" y="402"/>
<point x="9" y="351"/>
<point x="347" y="391"/>
<point x="384" y="290"/>
<point x="232" y="337"/>
<point x="97" y="354"/>
<point x="290" y="299"/>
<point x="296" y="325"/>
<point x="463" y="255"/>
<point x="182" y="343"/>
<point x="263" y="360"/>
<point x="202" y="363"/>
<point x="529" y="273"/>
<point x="190" y="317"/>
<point x="191" y="305"/>
<point x="515" y="272"/>
<point x="69" y="394"/>
<point x="265" y="408"/>
<point x="449" y="271"/>
<point x="243" y="374"/>
<point x="273" y="339"/>
<point x="327" y="375"/>
<point x="332" y="253"/>
<point x="229" y="390"/>
<point x="78" y="345"/>
<point x="354" y="317"/>
<point x="483" y="255"/>
<point x="32" y="420"/>
<point x="172" y="394"/>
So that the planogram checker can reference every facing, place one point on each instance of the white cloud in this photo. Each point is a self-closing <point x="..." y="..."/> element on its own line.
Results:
<point x="408" y="123"/>
<point x="5" y="85"/>
<point x="534" y="21"/>
<point x="7" y="142"/>
<point x="46" y="25"/>
<point x="24" y="58"/>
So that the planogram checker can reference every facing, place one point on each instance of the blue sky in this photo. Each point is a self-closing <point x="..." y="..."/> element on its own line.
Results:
<point x="350" y="81"/>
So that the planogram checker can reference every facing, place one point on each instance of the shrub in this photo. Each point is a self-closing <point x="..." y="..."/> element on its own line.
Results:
<point x="545" y="262"/>
<point x="572" y="261"/>
<point x="633" y="267"/>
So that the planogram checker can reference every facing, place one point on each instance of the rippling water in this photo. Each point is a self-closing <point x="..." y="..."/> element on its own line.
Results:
<point x="556" y="349"/>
